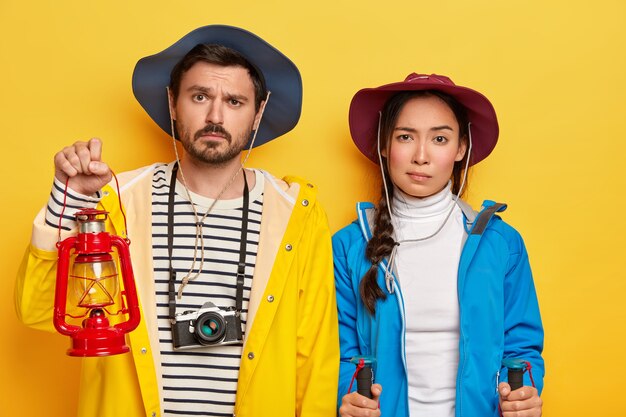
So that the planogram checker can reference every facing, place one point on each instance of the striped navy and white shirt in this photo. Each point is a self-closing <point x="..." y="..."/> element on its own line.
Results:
<point x="200" y="381"/>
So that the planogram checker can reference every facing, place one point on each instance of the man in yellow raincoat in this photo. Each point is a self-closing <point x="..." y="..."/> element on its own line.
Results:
<point x="196" y="225"/>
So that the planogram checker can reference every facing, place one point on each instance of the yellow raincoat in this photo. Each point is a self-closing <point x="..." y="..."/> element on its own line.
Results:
<point x="290" y="359"/>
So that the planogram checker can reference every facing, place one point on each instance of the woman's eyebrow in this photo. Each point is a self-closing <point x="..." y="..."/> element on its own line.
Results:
<point x="434" y="128"/>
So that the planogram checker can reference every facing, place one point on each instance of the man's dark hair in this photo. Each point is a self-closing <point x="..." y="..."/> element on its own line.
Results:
<point x="219" y="55"/>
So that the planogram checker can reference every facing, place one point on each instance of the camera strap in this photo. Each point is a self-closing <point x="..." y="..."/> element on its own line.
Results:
<point x="241" y="266"/>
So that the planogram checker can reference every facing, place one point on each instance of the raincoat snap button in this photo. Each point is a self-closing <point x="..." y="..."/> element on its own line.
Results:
<point x="270" y="298"/>
<point x="288" y="247"/>
<point x="154" y="414"/>
<point x="251" y="355"/>
<point x="144" y="351"/>
<point x="305" y="203"/>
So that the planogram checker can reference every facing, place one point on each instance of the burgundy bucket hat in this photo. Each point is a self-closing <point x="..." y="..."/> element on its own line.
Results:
<point x="368" y="102"/>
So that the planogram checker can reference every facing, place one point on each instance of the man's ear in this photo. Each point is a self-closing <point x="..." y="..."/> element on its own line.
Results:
<point x="259" y="115"/>
<point x="171" y="103"/>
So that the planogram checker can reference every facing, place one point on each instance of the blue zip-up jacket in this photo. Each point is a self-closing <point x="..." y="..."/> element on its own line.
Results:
<point x="499" y="314"/>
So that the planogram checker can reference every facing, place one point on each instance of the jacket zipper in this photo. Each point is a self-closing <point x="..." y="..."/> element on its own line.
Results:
<point x="463" y="360"/>
<point x="459" y="396"/>
<point x="400" y="300"/>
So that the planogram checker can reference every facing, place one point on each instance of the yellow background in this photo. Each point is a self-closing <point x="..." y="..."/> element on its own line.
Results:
<point x="555" y="72"/>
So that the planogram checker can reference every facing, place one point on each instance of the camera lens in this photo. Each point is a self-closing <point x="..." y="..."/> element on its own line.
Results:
<point x="210" y="328"/>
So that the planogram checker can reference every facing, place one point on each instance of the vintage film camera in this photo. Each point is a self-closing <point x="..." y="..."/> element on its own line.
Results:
<point x="208" y="326"/>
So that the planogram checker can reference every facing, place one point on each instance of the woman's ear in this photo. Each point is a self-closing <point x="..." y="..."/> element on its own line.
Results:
<point x="384" y="150"/>
<point x="461" y="151"/>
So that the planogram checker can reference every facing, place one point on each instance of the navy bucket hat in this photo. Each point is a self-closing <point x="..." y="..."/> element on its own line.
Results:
<point x="282" y="78"/>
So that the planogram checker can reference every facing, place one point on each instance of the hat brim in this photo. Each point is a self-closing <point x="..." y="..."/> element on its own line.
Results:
<point x="282" y="78"/>
<point x="368" y="102"/>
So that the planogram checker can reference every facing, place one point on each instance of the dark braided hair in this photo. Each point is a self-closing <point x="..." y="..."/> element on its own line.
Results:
<point x="382" y="241"/>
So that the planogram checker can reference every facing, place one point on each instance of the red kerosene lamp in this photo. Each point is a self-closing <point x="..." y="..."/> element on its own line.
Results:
<point x="94" y="286"/>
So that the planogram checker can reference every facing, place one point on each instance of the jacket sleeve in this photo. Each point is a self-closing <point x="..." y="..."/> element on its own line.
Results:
<point x="523" y="337"/>
<point x="36" y="277"/>
<point x="347" y="300"/>
<point x="317" y="335"/>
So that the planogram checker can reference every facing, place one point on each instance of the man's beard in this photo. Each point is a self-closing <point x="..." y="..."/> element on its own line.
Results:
<point x="207" y="152"/>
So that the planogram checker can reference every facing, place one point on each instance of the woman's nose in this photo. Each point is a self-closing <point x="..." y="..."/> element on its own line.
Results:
<point x="420" y="157"/>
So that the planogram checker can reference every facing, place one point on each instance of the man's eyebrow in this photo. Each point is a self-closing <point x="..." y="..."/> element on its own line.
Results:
<point x="207" y="90"/>
<point x="199" y="88"/>
<point x="238" y="97"/>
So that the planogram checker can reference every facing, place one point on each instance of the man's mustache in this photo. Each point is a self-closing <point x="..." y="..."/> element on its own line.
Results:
<point x="213" y="128"/>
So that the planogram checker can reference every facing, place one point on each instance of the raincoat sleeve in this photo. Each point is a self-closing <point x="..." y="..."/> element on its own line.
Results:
<point x="523" y="337"/>
<point x="36" y="277"/>
<point x="318" y="349"/>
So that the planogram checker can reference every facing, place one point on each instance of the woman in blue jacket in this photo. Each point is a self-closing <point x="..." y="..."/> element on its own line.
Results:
<point x="440" y="296"/>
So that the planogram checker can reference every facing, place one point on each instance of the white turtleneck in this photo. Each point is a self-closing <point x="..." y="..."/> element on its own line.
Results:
<point x="427" y="272"/>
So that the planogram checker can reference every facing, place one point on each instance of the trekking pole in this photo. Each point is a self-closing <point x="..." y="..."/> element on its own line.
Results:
<point x="516" y="369"/>
<point x="364" y="375"/>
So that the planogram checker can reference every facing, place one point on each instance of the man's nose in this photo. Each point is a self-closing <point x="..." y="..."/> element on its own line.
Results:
<point x="215" y="113"/>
